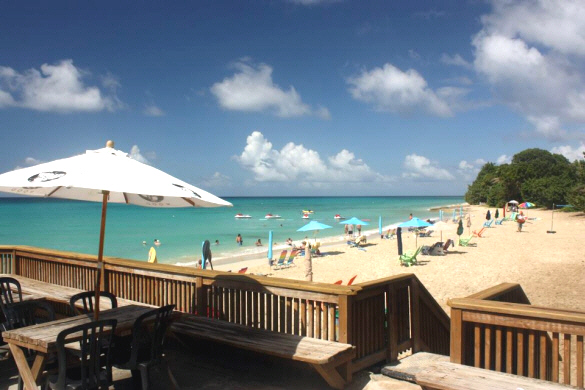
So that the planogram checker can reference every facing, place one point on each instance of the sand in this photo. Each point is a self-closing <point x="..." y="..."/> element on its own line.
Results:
<point x="549" y="267"/>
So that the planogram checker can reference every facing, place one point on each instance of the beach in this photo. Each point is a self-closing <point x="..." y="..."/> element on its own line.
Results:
<point x="550" y="267"/>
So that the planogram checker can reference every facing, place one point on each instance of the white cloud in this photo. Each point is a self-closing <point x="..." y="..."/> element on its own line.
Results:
<point x="153" y="110"/>
<point x="569" y="152"/>
<point x="296" y="163"/>
<point x="30" y="161"/>
<point x="56" y="87"/>
<point x="390" y="89"/>
<point x="421" y="167"/>
<point x="251" y="88"/>
<point x="136" y="155"/>
<point x="216" y="180"/>
<point x="532" y="53"/>
<point x="503" y="159"/>
<point x="455" y="60"/>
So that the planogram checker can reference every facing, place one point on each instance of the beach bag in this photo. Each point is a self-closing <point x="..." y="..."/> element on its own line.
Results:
<point x="520" y="219"/>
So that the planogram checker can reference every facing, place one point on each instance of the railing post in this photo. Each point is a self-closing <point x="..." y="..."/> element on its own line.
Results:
<point x="345" y="316"/>
<point x="415" y="316"/>
<point x="13" y="263"/>
<point x="392" y="323"/>
<point x="199" y="296"/>
<point x="457" y="341"/>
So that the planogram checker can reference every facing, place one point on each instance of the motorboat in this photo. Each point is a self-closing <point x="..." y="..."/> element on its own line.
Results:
<point x="308" y="211"/>
<point x="271" y="216"/>
<point x="242" y="216"/>
<point x="306" y="216"/>
<point x="337" y="216"/>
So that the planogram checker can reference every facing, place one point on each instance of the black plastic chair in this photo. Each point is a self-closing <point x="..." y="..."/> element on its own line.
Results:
<point x="9" y="290"/>
<point x="146" y="348"/>
<point x="87" y="300"/>
<point x="91" y="367"/>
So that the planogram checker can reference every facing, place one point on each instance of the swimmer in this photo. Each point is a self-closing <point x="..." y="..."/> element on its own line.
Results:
<point x="216" y="242"/>
<point x="156" y="242"/>
<point x="144" y="242"/>
<point x="258" y="243"/>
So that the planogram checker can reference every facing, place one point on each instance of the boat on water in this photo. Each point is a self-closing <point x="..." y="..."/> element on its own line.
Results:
<point x="242" y="216"/>
<point x="306" y="216"/>
<point x="308" y="211"/>
<point x="272" y="216"/>
<point x="337" y="216"/>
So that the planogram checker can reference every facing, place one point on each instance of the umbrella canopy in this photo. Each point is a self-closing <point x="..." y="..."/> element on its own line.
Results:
<point x="414" y="223"/>
<point x="106" y="175"/>
<point x="354" y="221"/>
<point x="313" y="226"/>
<point x="526" y="205"/>
<point x="443" y="226"/>
<point x="513" y="201"/>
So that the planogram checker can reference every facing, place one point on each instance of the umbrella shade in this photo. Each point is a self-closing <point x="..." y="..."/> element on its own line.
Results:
<point x="526" y="205"/>
<point x="106" y="175"/>
<point x="414" y="223"/>
<point x="354" y="221"/>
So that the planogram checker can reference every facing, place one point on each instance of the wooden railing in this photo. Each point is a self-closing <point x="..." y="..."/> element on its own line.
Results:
<point x="382" y="318"/>
<point x="492" y="330"/>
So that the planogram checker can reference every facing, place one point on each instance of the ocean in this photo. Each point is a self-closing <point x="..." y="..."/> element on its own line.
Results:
<point x="74" y="225"/>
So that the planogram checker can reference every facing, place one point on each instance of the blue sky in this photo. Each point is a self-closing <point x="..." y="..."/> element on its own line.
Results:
<point x="307" y="97"/>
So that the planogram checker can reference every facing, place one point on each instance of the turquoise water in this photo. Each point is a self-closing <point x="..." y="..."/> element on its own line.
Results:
<point x="74" y="226"/>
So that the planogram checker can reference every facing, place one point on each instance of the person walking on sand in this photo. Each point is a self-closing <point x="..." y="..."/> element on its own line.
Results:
<point x="346" y="229"/>
<point x="520" y="219"/>
<point x="359" y="229"/>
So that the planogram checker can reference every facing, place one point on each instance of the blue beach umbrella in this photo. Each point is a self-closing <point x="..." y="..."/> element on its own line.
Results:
<point x="313" y="226"/>
<point x="354" y="221"/>
<point x="270" y="245"/>
<point x="414" y="223"/>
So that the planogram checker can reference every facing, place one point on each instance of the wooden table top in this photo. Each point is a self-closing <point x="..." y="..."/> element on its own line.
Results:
<point x="43" y="337"/>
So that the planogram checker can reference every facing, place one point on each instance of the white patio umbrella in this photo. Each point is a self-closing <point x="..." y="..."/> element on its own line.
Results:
<point x="441" y="226"/>
<point x="109" y="176"/>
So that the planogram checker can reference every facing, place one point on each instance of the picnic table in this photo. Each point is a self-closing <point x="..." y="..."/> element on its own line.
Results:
<point x="42" y="338"/>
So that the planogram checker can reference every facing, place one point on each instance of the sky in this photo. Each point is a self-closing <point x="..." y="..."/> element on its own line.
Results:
<point x="295" y="97"/>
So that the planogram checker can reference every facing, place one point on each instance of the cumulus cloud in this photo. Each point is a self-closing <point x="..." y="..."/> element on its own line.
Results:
<point x="420" y="167"/>
<point x="469" y="170"/>
<point x="252" y="89"/>
<point x="503" y="159"/>
<point x="535" y="66"/>
<point x="569" y="152"/>
<point x="295" y="162"/>
<point x="153" y="110"/>
<point x="136" y="155"/>
<point x="58" y="88"/>
<point x="391" y="89"/>
<point x="455" y="60"/>
<point x="216" y="180"/>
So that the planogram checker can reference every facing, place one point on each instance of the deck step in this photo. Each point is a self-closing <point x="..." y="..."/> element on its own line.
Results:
<point x="405" y="369"/>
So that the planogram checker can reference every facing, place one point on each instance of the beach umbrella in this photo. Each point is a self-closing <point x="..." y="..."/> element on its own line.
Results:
<point x="441" y="226"/>
<point x="526" y="205"/>
<point x="313" y="226"/>
<point x="454" y="217"/>
<point x="497" y="215"/>
<point x="380" y="225"/>
<point x="414" y="223"/>
<point x="106" y="175"/>
<point x="460" y="228"/>
<point x="270" y="245"/>
<point x="354" y="221"/>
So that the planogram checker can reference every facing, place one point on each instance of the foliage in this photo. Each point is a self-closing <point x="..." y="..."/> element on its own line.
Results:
<point x="534" y="175"/>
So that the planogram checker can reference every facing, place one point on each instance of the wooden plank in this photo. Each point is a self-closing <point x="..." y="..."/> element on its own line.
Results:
<point x="452" y="376"/>
<point x="579" y="359"/>
<point x="555" y="357"/>
<point x="567" y="359"/>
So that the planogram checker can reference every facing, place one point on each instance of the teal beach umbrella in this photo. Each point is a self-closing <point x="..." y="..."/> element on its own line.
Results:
<point x="270" y="245"/>
<point x="313" y="226"/>
<point x="414" y="223"/>
<point x="354" y="221"/>
<point x="380" y="225"/>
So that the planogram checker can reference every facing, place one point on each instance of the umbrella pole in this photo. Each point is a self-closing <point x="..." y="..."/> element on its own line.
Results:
<point x="99" y="283"/>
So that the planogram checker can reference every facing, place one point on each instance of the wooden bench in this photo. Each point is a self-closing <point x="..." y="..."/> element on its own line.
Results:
<point x="329" y="358"/>
<point x="453" y="376"/>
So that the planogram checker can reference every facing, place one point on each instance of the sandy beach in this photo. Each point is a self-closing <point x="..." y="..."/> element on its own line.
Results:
<point x="549" y="267"/>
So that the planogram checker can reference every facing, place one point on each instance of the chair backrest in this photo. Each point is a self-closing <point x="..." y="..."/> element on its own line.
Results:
<point x="28" y="313"/>
<point x="417" y="252"/>
<point x="292" y="256"/>
<point x="93" y="361"/>
<point x="9" y="289"/>
<point x="338" y="282"/>
<point x="243" y="270"/>
<point x="86" y="300"/>
<point x="148" y="335"/>
<point x="351" y="280"/>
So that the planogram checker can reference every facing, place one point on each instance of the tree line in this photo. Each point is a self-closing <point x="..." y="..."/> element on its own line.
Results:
<point x="533" y="175"/>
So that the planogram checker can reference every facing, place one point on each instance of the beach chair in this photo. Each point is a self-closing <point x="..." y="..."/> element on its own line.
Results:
<point x="338" y="282"/>
<point x="465" y="241"/>
<point x="351" y="280"/>
<point x="408" y="258"/>
<point x="290" y="261"/>
<point x="480" y="233"/>
<point x="425" y="233"/>
<point x="315" y="249"/>
<point x="499" y="221"/>
<point x="449" y="242"/>
<point x="488" y="224"/>
<point x="281" y="260"/>
<point x="511" y="217"/>
<point x="243" y="270"/>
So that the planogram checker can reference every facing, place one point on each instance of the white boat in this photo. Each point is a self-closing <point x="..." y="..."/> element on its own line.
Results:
<point x="271" y="216"/>
<point x="305" y="216"/>
<point x="337" y="216"/>
<point x="242" y="216"/>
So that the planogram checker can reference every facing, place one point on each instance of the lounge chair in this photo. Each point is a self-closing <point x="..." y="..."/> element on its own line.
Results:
<point x="449" y="242"/>
<point x="499" y="221"/>
<point x="338" y="282"/>
<point x="351" y="280"/>
<point x="437" y="249"/>
<point x="480" y="233"/>
<point x="281" y="260"/>
<point x="465" y="241"/>
<point x="243" y="270"/>
<point x="315" y="249"/>
<point x="511" y="217"/>
<point x="425" y="233"/>
<point x="488" y="224"/>
<point x="408" y="258"/>
<point x="290" y="261"/>
<point x="358" y="241"/>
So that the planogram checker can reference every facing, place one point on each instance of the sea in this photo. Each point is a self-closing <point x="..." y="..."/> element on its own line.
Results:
<point x="131" y="230"/>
